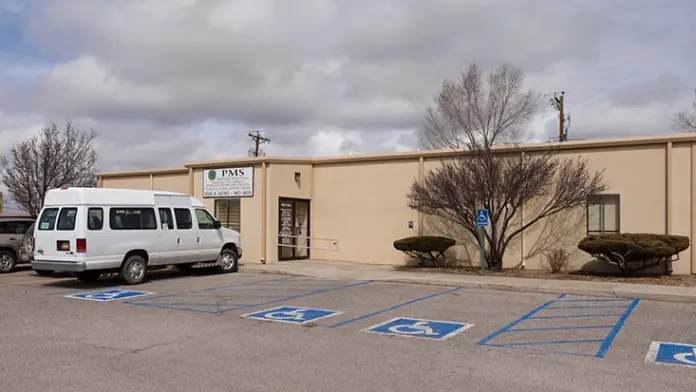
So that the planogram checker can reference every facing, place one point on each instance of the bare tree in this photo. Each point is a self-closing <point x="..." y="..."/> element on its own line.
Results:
<point x="49" y="160"/>
<point x="473" y="117"/>
<point x="475" y="113"/>
<point x="685" y="121"/>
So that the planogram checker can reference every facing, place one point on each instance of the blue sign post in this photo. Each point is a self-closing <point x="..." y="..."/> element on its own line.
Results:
<point x="292" y="314"/>
<point x="667" y="353"/>
<point x="109" y="295"/>
<point x="482" y="223"/>
<point x="419" y="328"/>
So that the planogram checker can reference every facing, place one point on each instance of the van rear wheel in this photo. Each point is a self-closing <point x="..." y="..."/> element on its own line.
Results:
<point x="88" y="276"/>
<point x="134" y="270"/>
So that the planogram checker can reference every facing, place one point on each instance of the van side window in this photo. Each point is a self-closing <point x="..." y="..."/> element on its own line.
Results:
<point x="205" y="220"/>
<point x="66" y="219"/>
<point x="166" y="218"/>
<point x="95" y="218"/>
<point x="48" y="219"/>
<point x="132" y="218"/>
<point x="183" y="219"/>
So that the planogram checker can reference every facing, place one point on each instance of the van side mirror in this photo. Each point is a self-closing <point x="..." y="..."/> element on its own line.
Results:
<point x="216" y="224"/>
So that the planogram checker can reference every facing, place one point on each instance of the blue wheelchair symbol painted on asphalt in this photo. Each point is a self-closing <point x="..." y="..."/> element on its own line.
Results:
<point x="109" y="295"/>
<point x="672" y="354"/>
<point x="417" y="328"/>
<point x="292" y="314"/>
<point x="482" y="218"/>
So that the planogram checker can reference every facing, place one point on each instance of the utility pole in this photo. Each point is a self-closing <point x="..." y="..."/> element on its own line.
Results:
<point x="255" y="151"/>
<point x="558" y="102"/>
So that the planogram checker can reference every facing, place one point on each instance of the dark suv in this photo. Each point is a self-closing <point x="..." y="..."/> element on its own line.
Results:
<point x="12" y="241"/>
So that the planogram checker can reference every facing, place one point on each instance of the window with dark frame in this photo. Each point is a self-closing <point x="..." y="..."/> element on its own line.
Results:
<point x="132" y="218"/>
<point x="205" y="220"/>
<point x="166" y="218"/>
<point x="95" y="218"/>
<point x="66" y="219"/>
<point x="183" y="219"/>
<point x="229" y="213"/>
<point x="48" y="219"/>
<point x="603" y="214"/>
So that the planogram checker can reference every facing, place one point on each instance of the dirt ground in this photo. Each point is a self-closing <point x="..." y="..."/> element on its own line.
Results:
<point x="667" y="280"/>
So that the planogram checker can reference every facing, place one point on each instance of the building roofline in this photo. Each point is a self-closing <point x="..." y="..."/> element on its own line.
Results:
<point x="634" y="141"/>
<point x="130" y="173"/>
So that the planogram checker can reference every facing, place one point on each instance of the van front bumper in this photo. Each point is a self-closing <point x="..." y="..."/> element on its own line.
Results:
<point x="58" y="266"/>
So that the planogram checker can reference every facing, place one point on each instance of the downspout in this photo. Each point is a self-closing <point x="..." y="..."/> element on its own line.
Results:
<point x="264" y="215"/>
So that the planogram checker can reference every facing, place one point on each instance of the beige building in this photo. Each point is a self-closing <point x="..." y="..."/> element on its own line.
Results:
<point x="352" y="208"/>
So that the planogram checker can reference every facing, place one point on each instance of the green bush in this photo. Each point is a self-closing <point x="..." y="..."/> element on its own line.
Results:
<point x="633" y="251"/>
<point x="425" y="248"/>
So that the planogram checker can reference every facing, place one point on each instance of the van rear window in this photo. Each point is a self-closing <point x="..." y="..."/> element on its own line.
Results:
<point x="132" y="219"/>
<point x="66" y="219"/>
<point x="48" y="219"/>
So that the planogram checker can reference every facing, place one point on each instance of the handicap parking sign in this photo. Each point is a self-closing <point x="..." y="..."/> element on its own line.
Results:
<point x="419" y="328"/>
<point x="292" y="314"/>
<point x="667" y="353"/>
<point x="109" y="295"/>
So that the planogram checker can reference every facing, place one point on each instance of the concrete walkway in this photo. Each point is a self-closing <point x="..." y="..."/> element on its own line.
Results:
<point x="352" y="271"/>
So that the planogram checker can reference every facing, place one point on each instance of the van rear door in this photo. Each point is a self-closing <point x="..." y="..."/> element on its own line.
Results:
<point x="55" y="236"/>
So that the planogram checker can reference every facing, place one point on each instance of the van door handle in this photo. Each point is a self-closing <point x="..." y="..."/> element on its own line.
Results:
<point x="198" y="240"/>
<point x="178" y="241"/>
<point x="13" y="239"/>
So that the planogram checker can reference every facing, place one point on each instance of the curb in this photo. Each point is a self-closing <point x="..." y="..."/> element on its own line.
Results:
<point x="522" y="287"/>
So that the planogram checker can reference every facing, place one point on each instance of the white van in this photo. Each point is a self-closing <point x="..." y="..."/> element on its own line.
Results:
<point x="90" y="231"/>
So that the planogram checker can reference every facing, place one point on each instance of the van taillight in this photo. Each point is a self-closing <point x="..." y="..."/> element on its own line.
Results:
<point x="81" y="245"/>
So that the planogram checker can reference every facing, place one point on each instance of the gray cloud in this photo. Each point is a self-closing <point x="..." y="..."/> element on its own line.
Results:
<point x="166" y="81"/>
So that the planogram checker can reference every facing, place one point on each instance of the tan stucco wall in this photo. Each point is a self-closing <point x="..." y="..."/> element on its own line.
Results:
<point x="171" y="182"/>
<point x="361" y="203"/>
<point x="364" y="208"/>
<point x="134" y="182"/>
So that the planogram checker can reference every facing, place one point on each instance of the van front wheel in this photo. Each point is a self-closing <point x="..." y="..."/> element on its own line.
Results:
<point x="227" y="261"/>
<point x="134" y="270"/>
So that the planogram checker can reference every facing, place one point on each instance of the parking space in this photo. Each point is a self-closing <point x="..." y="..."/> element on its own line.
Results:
<point x="328" y="322"/>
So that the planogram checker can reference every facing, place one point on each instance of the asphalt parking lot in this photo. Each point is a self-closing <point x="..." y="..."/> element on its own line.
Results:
<point x="259" y="332"/>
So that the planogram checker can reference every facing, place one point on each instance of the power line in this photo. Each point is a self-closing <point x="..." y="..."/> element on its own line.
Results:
<point x="256" y="150"/>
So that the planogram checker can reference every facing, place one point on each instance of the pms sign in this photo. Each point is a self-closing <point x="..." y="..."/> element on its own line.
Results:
<point x="228" y="182"/>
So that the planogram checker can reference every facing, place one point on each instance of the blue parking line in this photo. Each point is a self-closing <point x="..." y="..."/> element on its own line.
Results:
<point x="545" y="343"/>
<point x="605" y="343"/>
<point x="560" y="328"/>
<point x="413" y="301"/>
<point x="596" y="300"/>
<point x="236" y="284"/>
<point x="314" y="292"/>
<point x="154" y="305"/>
<point x="619" y="324"/>
<point x="589" y="307"/>
<point x="529" y="314"/>
<point x="575" y="316"/>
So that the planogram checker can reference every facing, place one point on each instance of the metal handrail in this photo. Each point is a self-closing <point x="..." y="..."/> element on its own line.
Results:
<point x="333" y="243"/>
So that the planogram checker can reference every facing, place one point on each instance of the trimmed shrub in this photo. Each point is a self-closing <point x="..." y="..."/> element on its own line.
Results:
<point x="634" y="251"/>
<point x="425" y="248"/>
<point x="557" y="260"/>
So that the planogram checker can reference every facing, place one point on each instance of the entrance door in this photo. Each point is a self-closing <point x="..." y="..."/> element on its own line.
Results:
<point x="293" y="229"/>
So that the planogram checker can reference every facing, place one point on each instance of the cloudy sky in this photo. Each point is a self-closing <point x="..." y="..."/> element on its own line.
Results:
<point x="169" y="81"/>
